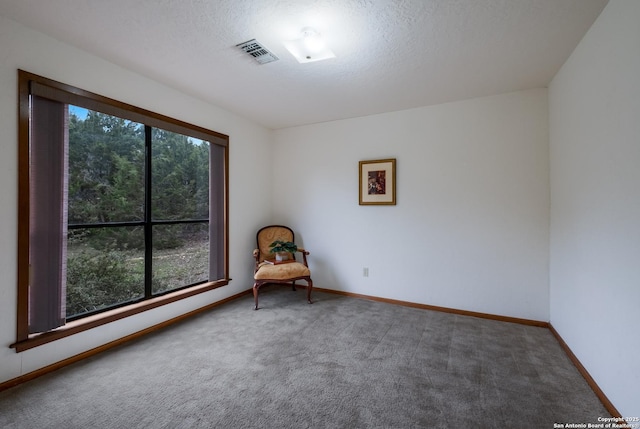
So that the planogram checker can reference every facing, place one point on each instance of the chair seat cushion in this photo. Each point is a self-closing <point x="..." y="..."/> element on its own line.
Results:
<point x="281" y="271"/>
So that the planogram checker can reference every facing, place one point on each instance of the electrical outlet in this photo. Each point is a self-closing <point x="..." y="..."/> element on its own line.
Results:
<point x="365" y="272"/>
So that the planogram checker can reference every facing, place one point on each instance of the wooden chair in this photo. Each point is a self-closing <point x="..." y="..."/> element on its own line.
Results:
<point x="268" y="270"/>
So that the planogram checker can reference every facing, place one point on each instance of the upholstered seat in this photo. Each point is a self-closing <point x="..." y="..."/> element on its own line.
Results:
<point x="268" y="270"/>
<point x="283" y="271"/>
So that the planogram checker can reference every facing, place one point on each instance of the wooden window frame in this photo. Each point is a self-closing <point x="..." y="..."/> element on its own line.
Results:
<point x="89" y="100"/>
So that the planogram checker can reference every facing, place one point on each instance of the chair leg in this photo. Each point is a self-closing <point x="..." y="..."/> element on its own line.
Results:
<point x="255" y="295"/>
<point x="293" y="285"/>
<point x="309" y="287"/>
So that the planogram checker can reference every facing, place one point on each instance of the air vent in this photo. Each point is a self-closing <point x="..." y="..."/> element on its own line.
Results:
<point x="257" y="51"/>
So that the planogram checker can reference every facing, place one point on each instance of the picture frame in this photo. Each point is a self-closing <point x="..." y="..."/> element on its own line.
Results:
<point x="377" y="183"/>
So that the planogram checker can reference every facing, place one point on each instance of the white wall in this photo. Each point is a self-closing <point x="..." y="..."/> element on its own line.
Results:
<point x="595" y="203"/>
<point x="249" y="147"/>
<point x="470" y="229"/>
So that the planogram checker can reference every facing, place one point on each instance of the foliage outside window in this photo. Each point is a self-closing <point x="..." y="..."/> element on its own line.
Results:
<point x="119" y="208"/>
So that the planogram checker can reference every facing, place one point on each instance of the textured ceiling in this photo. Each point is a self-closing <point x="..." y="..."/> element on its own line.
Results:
<point x="390" y="54"/>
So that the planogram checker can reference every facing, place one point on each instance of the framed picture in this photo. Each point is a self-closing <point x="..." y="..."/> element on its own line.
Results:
<point x="378" y="182"/>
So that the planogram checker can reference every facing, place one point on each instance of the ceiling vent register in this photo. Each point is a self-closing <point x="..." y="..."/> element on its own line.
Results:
<point x="257" y="51"/>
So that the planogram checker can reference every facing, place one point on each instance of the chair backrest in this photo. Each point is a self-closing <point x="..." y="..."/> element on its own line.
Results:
<point x="268" y="235"/>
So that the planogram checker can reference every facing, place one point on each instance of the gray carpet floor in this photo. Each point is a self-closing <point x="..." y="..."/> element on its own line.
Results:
<point x="340" y="363"/>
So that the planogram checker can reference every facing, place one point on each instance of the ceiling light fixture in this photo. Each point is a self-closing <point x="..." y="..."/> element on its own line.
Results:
<point x="310" y="47"/>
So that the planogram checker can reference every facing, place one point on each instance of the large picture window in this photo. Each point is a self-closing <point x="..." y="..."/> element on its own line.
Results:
<point x="120" y="210"/>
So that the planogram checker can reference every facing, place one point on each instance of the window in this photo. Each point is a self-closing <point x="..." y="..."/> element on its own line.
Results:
<point x="120" y="210"/>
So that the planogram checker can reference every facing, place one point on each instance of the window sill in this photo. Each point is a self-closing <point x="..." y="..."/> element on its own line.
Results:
<point x="100" y="319"/>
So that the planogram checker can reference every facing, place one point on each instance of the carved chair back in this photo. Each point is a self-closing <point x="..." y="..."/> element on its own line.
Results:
<point x="268" y="235"/>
